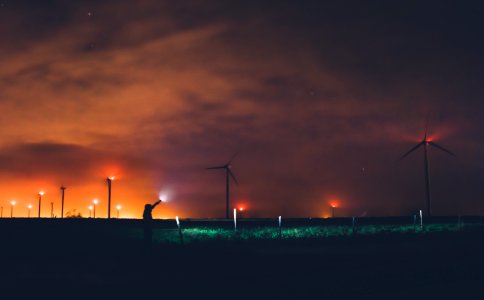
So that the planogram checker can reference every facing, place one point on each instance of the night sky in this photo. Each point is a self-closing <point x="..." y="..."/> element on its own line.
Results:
<point x="319" y="98"/>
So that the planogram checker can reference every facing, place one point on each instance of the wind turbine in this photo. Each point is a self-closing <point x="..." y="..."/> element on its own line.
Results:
<point x="228" y="173"/>
<point x="426" y="142"/>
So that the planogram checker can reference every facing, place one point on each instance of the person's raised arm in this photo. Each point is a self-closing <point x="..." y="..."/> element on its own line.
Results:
<point x="156" y="203"/>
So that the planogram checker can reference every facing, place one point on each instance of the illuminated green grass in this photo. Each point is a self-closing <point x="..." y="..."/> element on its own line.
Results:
<point x="208" y="234"/>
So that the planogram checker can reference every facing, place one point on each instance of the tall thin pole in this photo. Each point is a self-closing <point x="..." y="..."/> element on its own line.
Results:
<point x="1" y="212"/>
<point x="63" y="188"/>
<point x="427" y="180"/>
<point x="52" y="209"/>
<point x="40" y="202"/>
<point x="11" y="211"/>
<point x="109" y="180"/>
<point x="227" y="194"/>
<point x="29" y="212"/>
<point x="94" y="211"/>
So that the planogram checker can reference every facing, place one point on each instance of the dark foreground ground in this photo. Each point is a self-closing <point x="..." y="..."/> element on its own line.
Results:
<point x="82" y="259"/>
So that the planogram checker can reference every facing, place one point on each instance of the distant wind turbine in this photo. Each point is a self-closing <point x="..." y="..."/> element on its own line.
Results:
<point x="426" y="142"/>
<point x="228" y="173"/>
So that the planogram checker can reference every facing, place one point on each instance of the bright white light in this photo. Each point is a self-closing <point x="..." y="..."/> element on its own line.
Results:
<point x="177" y="221"/>
<point x="112" y="178"/>
<point x="421" y="220"/>
<point x="235" y="219"/>
<point x="13" y="202"/>
<point x="279" y="221"/>
<point x="41" y="193"/>
<point x="118" y="207"/>
<point x="95" y="201"/>
<point x="90" y="207"/>
<point x="163" y="197"/>
<point x="29" y="206"/>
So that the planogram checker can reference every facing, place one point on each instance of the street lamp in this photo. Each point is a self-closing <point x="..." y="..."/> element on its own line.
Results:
<point x="95" y="201"/>
<point x="90" y="211"/>
<point x="163" y="197"/>
<point x="110" y="182"/>
<point x="118" y="208"/>
<point x="29" y="207"/>
<point x="63" y="189"/>
<point x="41" y="193"/>
<point x="12" y="203"/>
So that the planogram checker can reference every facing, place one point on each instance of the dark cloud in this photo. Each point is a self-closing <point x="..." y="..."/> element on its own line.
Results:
<point x="311" y="93"/>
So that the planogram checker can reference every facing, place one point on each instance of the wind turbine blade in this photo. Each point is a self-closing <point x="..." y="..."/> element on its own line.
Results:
<point x="233" y="157"/>
<point x="212" y="168"/>
<point x="411" y="150"/>
<point x="426" y="127"/>
<point x="441" y="148"/>
<point x="233" y="177"/>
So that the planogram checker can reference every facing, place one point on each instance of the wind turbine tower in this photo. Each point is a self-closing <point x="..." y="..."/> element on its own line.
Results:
<point x="228" y="174"/>
<point x="426" y="143"/>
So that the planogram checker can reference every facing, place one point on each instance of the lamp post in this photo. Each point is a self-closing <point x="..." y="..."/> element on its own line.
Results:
<point x="29" y="207"/>
<point x="110" y="181"/>
<point x="41" y="193"/>
<point x="52" y="210"/>
<point x="333" y="205"/>
<point x="63" y="189"/>
<point x="90" y="211"/>
<point x="95" y="202"/>
<point x="118" y="208"/>
<point x="12" y="204"/>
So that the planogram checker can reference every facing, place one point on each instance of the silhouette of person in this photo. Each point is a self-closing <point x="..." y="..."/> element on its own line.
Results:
<point x="148" y="224"/>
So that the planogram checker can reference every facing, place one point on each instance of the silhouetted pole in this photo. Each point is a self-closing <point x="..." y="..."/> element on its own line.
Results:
<point x="1" y="211"/>
<point x="63" y="188"/>
<point x="109" y="180"/>
<point x="427" y="180"/>
<point x="227" y="194"/>
<point x="40" y="201"/>
<point x="95" y="202"/>
<point x="12" y="204"/>
<point x="332" y="211"/>
<point x="52" y="209"/>
<point x="180" y="234"/>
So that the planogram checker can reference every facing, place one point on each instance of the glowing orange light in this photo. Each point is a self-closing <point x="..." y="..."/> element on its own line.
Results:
<point x="41" y="193"/>
<point x="241" y="209"/>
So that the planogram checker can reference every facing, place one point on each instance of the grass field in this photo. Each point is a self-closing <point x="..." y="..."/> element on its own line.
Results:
<point x="207" y="234"/>
<point x="313" y="259"/>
